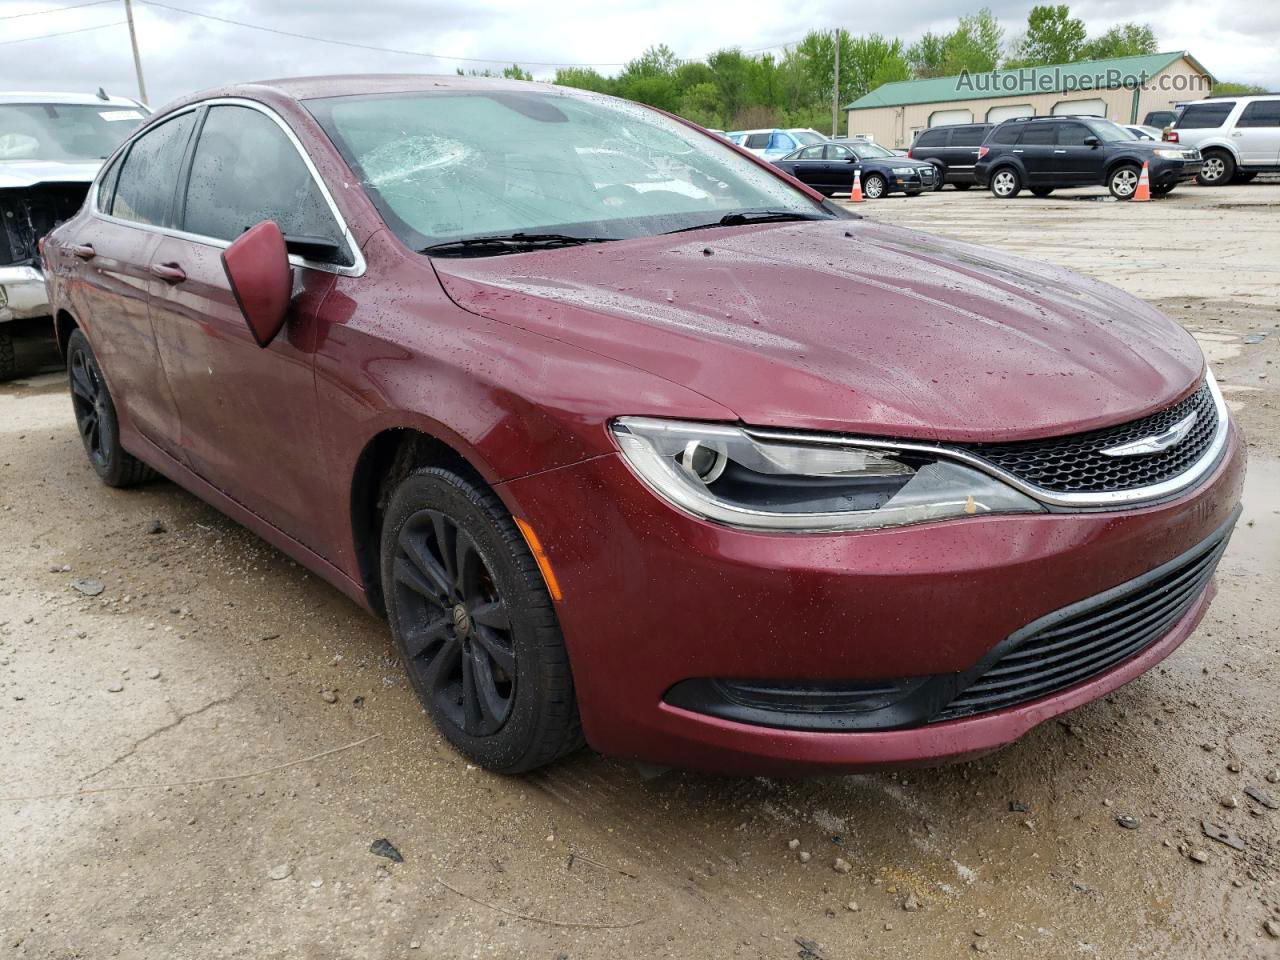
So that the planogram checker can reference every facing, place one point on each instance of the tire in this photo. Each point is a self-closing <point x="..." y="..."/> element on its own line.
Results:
<point x="1217" y="170"/>
<point x="1123" y="181"/>
<point x="1041" y="191"/>
<point x="874" y="186"/>
<point x="8" y="359"/>
<point x="962" y="186"/>
<point x="497" y="686"/>
<point x="1006" y="183"/>
<point x="939" y="179"/>
<point x="96" y="420"/>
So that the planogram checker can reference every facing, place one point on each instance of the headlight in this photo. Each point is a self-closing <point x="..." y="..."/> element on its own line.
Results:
<point x="724" y="474"/>
<point x="904" y="171"/>
<point x="1172" y="154"/>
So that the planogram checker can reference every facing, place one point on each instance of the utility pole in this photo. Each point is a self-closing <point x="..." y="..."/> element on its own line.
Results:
<point x="137" y="59"/>
<point x="835" y="90"/>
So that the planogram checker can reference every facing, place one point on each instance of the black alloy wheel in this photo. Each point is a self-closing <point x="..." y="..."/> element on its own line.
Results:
<point x="474" y="621"/>
<point x="96" y="419"/>
<point x="454" y="624"/>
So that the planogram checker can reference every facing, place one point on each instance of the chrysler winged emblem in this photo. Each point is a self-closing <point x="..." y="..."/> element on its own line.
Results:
<point x="1156" y="442"/>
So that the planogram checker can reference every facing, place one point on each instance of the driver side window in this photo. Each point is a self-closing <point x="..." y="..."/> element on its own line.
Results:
<point x="246" y="170"/>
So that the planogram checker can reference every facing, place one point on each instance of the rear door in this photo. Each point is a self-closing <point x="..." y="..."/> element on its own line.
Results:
<point x="133" y="204"/>
<point x="1036" y="149"/>
<point x="1257" y="134"/>
<point x="962" y="151"/>
<point x="249" y="416"/>
<point x="809" y="167"/>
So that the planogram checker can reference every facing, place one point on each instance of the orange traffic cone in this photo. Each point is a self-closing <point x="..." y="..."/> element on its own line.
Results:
<point x="1143" y="191"/>
<point x="855" y="195"/>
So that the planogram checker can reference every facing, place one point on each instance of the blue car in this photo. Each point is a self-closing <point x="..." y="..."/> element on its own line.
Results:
<point x="774" y="143"/>
<point x="829" y="168"/>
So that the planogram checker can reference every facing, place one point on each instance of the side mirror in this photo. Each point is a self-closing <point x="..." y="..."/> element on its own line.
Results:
<point x="1090" y="141"/>
<point x="257" y="267"/>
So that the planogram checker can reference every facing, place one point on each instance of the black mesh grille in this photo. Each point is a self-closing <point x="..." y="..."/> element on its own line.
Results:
<point x="1075" y="464"/>
<point x="1092" y="638"/>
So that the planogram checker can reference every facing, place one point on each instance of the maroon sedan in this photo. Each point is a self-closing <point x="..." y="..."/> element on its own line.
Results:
<point x="635" y="439"/>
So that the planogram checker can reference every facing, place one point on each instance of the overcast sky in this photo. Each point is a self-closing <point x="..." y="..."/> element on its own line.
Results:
<point x="1234" y="39"/>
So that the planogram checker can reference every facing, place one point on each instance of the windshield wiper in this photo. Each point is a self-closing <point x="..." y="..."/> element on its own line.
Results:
<point x="508" y="243"/>
<point x="753" y="216"/>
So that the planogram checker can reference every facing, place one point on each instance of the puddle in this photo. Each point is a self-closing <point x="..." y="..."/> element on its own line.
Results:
<point x="1255" y="546"/>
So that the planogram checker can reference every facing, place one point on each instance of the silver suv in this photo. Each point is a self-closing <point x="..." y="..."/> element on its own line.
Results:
<point x="1238" y="136"/>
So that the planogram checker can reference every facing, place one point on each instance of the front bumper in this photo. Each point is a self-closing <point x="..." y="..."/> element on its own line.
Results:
<point x="1171" y="172"/>
<point x="653" y="598"/>
<point x="22" y="293"/>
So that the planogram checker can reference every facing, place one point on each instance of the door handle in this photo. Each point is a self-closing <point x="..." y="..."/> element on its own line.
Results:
<point x="1017" y="151"/>
<point x="1059" y="151"/>
<point x="169" y="272"/>
<point x="1237" y="133"/>
<point x="84" y="251"/>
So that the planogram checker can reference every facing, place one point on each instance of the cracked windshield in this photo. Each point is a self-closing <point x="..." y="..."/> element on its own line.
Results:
<point x="445" y="167"/>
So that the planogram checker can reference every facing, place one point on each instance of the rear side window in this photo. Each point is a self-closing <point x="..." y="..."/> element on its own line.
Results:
<point x="933" y="138"/>
<point x="1261" y="113"/>
<point x="1005" y="134"/>
<point x="246" y="170"/>
<point x="149" y="175"/>
<point x="107" y="185"/>
<point x="968" y="136"/>
<point x="1039" y="134"/>
<point x="1204" y="116"/>
<point x="757" y="141"/>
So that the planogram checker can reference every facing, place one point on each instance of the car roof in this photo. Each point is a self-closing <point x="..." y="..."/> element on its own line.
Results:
<point x="40" y="96"/>
<point x="1238" y="98"/>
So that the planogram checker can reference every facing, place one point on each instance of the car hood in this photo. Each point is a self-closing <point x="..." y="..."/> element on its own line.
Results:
<point x="852" y="326"/>
<point x="27" y="173"/>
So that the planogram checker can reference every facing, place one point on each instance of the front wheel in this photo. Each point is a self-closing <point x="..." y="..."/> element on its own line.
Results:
<point x="474" y="623"/>
<point x="1005" y="183"/>
<point x="1123" y="181"/>
<point x="939" y="179"/>
<point x="874" y="187"/>
<point x="96" y="419"/>
<point x="8" y="358"/>
<point x="1217" y="169"/>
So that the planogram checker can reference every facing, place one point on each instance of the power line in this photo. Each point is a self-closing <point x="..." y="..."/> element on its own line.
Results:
<point x="64" y="33"/>
<point x="407" y="53"/>
<point x="366" y="46"/>
<point x="36" y="13"/>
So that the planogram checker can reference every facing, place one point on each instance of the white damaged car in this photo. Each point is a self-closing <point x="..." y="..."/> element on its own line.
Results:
<point x="51" y="146"/>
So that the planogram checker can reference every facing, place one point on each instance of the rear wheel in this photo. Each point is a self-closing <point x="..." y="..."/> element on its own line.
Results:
<point x="474" y="624"/>
<point x="1006" y="183"/>
<point x="8" y="359"/>
<point x="1123" y="181"/>
<point x="1041" y="191"/>
<point x="874" y="187"/>
<point x="1217" y="169"/>
<point x="96" y="418"/>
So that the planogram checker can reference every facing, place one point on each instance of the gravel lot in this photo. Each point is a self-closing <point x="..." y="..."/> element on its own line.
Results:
<point x="170" y="787"/>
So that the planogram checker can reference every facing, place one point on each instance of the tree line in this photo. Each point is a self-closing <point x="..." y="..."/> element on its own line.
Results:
<point x="731" y="90"/>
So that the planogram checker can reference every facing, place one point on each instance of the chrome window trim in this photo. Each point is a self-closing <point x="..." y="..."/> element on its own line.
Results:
<point x="1118" y="498"/>
<point x="357" y="269"/>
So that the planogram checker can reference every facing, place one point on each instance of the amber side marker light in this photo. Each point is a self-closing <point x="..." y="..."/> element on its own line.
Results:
<point x="535" y="546"/>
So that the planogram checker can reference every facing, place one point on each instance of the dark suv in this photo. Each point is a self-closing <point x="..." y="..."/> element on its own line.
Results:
<point x="953" y="150"/>
<point x="1044" y="153"/>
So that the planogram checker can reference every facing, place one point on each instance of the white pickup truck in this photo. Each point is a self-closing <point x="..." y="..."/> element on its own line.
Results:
<point x="51" y="146"/>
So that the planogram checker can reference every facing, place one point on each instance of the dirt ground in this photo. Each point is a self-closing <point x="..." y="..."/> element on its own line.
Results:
<point x="176" y="784"/>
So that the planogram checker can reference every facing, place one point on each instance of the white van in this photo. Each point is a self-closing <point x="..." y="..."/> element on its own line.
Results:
<point x="1238" y="136"/>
